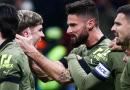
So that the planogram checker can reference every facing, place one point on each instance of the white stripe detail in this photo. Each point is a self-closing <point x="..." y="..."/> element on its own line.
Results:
<point x="102" y="70"/>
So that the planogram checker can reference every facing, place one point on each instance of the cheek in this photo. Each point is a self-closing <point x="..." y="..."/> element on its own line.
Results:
<point x="120" y="31"/>
<point x="76" y="32"/>
<point x="81" y="30"/>
<point x="37" y="38"/>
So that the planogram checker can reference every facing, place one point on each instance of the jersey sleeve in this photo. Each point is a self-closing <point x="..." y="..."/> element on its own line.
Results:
<point x="82" y="63"/>
<point x="83" y="80"/>
<point x="116" y="66"/>
<point x="9" y="86"/>
<point x="125" y="78"/>
<point x="10" y="69"/>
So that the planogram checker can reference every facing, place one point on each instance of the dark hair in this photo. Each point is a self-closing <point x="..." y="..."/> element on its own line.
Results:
<point x="8" y="21"/>
<point x="125" y="10"/>
<point x="11" y="2"/>
<point x="86" y="8"/>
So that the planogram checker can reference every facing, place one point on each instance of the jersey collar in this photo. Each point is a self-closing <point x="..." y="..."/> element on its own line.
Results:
<point x="4" y="43"/>
<point x="101" y="39"/>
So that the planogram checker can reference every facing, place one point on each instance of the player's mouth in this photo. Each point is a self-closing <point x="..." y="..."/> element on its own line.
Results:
<point x="72" y="36"/>
<point x="116" y="34"/>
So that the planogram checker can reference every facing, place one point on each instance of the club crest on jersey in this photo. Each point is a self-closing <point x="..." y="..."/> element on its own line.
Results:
<point x="101" y="54"/>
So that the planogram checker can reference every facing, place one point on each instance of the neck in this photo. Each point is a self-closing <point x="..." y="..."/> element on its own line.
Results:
<point x="2" y="40"/>
<point x="94" y="36"/>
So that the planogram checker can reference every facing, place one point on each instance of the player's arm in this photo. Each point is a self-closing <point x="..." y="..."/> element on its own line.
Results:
<point x="9" y="86"/>
<point x="45" y="78"/>
<point x="114" y="47"/>
<point x="83" y="80"/>
<point x="39" y="72"/>
<point x="55" y="70"/>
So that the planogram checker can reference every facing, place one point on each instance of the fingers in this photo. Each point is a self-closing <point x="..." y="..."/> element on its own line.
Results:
<point x="22" y="38"/>
<point x="111" y="45"/>
<point x="125" y="59"/>
<point x="18" y="36"/>
<point x="78" y="57"/>
<point x="28" y="39"/>
<point x="17" y="40"/>
<point x="114" y="47"/>
<point x="114" y="40"/>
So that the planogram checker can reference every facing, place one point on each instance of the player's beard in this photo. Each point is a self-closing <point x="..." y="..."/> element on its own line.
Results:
<point x="125" y="44"/>
<point x="80" y="40"/>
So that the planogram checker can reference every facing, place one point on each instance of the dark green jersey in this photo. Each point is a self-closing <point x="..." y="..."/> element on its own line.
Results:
<point x="125" y="78"/>
<point x="14" y="68"/>
<point x="98" y="53"/>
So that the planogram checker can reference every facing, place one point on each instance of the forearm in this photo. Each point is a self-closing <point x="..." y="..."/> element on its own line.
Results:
<point x="55" y="70"/>
<point x="9" y="86"/>
<point x="83" y="80"/>
<point x="39" y="73"/>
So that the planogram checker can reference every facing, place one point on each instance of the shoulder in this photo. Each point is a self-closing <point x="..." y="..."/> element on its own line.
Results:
<point x="14" y="50"/>
<point x="115" y="61"/>
<point x="79" y="49"/>
<point x="105" y="42"/>
<point x="116" y="55"/>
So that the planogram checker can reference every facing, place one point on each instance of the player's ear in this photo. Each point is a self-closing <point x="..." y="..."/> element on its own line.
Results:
<point x="26" y="32"/>
<point x="90" y="24"/>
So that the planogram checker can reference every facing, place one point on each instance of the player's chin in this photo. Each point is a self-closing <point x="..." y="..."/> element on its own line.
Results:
<point x="118" y="42"/>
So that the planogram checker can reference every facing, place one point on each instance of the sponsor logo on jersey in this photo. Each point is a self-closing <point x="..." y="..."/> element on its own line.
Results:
<point x="5" y="61"/>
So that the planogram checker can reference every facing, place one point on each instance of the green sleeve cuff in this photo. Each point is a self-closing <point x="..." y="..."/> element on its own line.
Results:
<point x="71" y="57"/>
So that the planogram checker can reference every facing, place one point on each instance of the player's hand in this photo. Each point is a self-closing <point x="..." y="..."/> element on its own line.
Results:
<point x="25" y="37"/>
<point x="26" y="43"/>
<point x="79" y="57"/>
<point x="114" y="47"/>
<point x="74" y="57"/>
<point x="125" y="59"/>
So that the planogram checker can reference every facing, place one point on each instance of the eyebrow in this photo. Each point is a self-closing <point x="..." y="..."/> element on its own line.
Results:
<point x="117" y="22"/>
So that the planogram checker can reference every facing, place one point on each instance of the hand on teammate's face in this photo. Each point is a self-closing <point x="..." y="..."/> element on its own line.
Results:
<point x="26" y="43"/>
<point x="125" y="59"/>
